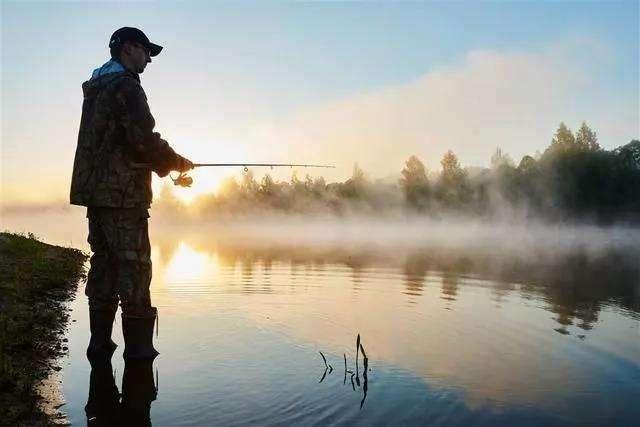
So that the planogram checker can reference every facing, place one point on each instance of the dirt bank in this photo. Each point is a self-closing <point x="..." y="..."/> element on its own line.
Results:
<point x="36" y="281"/>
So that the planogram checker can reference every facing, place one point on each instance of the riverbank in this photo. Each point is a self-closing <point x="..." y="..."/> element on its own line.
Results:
<point x="36" y="281"/>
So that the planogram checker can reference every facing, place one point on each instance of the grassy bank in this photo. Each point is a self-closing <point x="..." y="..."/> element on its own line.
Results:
<point x="36" y="279"/>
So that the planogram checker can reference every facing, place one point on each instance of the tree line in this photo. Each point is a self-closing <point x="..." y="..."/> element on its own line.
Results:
<point x="573" y="178"/>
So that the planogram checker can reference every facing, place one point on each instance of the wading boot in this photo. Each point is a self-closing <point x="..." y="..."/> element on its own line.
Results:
<point x="138" y="336"/>
<point x="101" y="324"/>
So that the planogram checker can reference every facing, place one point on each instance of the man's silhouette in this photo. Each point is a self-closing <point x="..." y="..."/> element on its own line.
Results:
<point x="116" y="136"/>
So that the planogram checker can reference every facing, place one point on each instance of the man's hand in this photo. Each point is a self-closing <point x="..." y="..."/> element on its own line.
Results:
<point x="182" y="164"/>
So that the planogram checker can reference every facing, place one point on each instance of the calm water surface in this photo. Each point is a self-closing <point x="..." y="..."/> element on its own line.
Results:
<point x="466" y="333"/>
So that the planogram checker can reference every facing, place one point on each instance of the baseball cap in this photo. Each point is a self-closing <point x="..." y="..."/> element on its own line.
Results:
<point x="130" y="34"/>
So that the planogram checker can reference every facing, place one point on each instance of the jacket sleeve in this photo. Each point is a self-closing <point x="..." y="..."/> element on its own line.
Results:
<point x="138" y="123"/>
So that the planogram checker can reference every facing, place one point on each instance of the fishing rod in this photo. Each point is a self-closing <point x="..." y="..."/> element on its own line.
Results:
<point x="184" y="180"/>
<point x="272" y="165"/>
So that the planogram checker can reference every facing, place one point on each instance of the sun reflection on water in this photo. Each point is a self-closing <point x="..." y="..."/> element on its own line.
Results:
<point x="189" y="267"/>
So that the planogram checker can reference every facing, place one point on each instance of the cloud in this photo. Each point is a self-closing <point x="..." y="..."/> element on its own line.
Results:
<point x="514" y="100"/>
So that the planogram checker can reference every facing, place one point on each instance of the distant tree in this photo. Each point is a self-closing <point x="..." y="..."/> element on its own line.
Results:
<point x="527" y="165"/>
<point x="529" y="183"/>
<point x="562" y="141"/>
<point x="452" y="173"/>
<point x="358" y="177"/>
<point x="297" y="186"/>
<point x="499" y="158"/>
<point x="319" y="186"/>
<point x="563" y="136"/>
<point x="576" y="173"/>
<point x="505" y="179"/>
<point x="630" y="154"/>
<point x="586" y="138"/>
<point x="356" y="186"/>
<point x="415" y="184"/>
<point x="308" y="184"/>
<point x="452" y="185"/>
<point x="267" y="186"/>
<point x="625" y="190"/>
<point x="249" y="186"/>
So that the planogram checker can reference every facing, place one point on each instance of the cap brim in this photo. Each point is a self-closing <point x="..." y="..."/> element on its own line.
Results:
<point x="154" y="49"/>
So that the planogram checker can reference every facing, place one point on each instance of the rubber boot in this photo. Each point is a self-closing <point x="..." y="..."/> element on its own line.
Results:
<point x="101" y="325"/>
<point x="138" y="336"/>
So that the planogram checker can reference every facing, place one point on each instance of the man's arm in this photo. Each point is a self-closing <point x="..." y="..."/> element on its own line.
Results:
<point x="139" y="123"/>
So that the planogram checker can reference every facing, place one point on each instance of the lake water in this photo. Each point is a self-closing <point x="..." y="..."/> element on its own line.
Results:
<point x="462" y="324"/>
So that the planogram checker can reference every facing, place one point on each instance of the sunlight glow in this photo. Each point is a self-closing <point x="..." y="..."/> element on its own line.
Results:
<point x="204" y="182"/>
<point x="189" y="267"/>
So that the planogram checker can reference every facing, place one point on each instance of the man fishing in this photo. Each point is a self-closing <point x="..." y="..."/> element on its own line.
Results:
<point x="116" y="133"/>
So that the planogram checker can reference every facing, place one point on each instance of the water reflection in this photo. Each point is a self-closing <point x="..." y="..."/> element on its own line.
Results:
<point x="415" y="270"/>
<point x="475" y="318"/>
<point x="185" y="264"/>
<point x="457" y="334"/>
<point x="449" y="286"/>
<point x="103" y="404"/>
<point x="107" y="407"/>
<point x="576" y="285"/>
<point x="138" y="392"/>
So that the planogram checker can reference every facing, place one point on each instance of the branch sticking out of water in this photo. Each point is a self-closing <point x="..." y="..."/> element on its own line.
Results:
<point x="327" y="367"/>
<point x="365" y="384"/>
<point x="344" y="381"/>
<point x="355" y="376"/>
<point x="323" y="375"/>
<point x="357" y="349"/>
<point x="324" y="359"/>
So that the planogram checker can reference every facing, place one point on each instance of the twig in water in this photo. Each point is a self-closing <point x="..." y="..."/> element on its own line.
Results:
<point x="357" y="349"/>
<point x="366" y="380"/>
<point x="323" y="375"/>
<point x="324" y="359"/>
<point x="327" y="367"/>
<point x="344" y="381"/>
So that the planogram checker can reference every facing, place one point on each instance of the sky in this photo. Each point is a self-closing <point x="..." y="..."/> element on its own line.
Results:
<point x="321" y="82"/>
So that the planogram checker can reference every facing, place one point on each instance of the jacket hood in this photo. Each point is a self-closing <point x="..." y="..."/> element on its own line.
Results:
<point x="111" y="66"/>
<point x="102" y="76"/>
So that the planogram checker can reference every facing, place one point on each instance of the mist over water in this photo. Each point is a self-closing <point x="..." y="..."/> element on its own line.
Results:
<point x="518" y="237"/>
<point x="412" y="232"/>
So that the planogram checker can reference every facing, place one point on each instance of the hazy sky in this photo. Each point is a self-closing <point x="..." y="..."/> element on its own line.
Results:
<point x="322" y="82"/>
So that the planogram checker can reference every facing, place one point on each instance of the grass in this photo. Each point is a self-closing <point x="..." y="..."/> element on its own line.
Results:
<point x="36" y="281"/>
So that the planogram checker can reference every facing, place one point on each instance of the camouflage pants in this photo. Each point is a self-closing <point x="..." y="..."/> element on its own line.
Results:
<point x="121" y="260"/>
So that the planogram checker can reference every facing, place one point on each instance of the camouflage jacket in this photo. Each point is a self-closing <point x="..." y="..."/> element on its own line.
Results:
<point x="116" y="130"/>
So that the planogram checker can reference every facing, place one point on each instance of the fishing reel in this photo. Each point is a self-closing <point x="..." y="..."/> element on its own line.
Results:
<point x="183" y="180"/>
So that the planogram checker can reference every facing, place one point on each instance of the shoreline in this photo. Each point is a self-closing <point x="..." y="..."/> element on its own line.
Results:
<point x="36" y="282"/>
